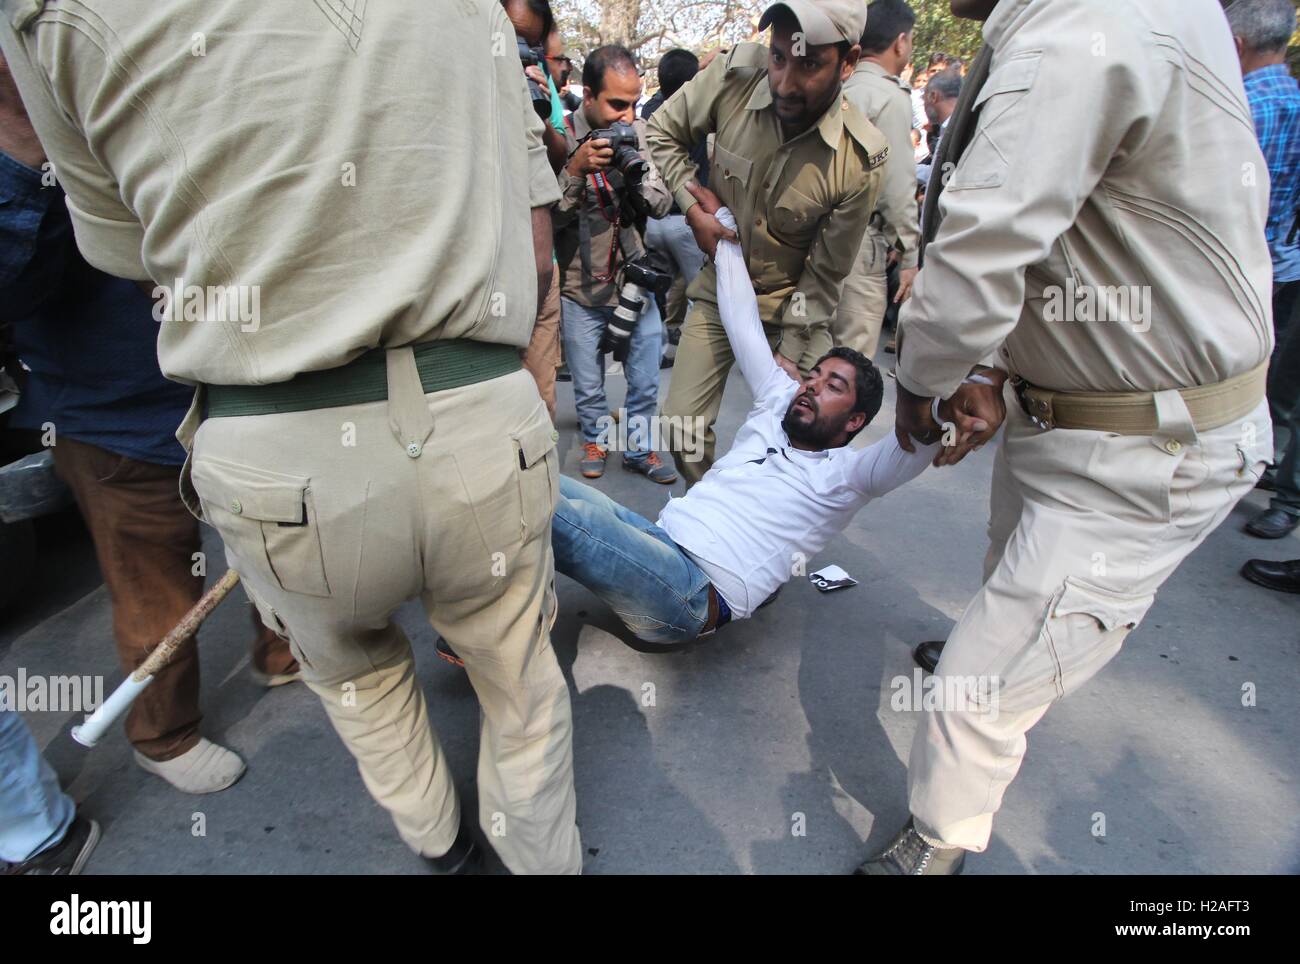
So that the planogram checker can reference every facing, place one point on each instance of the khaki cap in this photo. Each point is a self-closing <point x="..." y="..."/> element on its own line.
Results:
<point x="824" y="21"/>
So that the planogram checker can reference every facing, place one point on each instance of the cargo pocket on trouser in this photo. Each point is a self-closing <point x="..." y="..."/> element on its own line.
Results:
<point x="267" y="521"/>
<point x="1082" y="629"/>
<point x="537" y="472"/>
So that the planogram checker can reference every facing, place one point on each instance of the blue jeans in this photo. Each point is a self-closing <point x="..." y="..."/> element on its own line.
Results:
<point x="661" y="595"/>
<point x="582" y="328"/>
<point x="34" y="812"/>
<point x="672" y="236"/>
<point x="1284" y="396"/>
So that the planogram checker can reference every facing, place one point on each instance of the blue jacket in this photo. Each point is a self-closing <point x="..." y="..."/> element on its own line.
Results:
<point x="89" y="339"/>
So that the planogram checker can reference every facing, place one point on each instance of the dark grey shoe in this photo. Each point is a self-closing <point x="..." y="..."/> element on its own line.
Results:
<point x="66" y="858"/>
<point x="1272" y="524"/>
<point x="927" y="654"/>
<point x="592" y="465"/>
<point x="653" y="468"/>
<point x="910" y="855"/>
<point x="444" y="651"/>
<point x="462" y="858"/>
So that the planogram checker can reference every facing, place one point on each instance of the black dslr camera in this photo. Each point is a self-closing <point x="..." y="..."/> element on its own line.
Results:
<point x="627" y="150"/>
<point x="640" y="281"/>
<point x="536" y="57"/>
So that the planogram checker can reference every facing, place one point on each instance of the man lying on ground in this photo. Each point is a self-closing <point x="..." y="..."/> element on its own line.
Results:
<point x="786" y="486"/>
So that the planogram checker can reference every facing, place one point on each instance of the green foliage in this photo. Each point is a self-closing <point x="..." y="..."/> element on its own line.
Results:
<point x="938" y="31"/>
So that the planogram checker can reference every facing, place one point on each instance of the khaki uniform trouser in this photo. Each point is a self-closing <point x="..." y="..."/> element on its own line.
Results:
<point x="445" y="497"/>
<point x="704" y="359"/>
<point x="864" y="298"/>
<point x="1084" y="528"/>
<point x="542" y="356"/>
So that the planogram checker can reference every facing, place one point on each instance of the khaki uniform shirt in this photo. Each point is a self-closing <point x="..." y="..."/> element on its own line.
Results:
<point x="1114" y="160"/>
<point x="886" y="101"/>
<point x="580" y="200"/>
<point x="368" y="177"/>
<point x="802" y="205"/>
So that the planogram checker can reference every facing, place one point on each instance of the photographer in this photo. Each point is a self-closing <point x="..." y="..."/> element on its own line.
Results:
<point x="609" y="189"/>
<point x="534" y="29"/>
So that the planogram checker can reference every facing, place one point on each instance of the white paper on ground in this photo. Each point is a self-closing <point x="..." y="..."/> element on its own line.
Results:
<point x="831" y="577"/>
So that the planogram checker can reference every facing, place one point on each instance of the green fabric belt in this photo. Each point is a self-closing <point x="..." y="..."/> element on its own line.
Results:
<point x="450" y="363"/>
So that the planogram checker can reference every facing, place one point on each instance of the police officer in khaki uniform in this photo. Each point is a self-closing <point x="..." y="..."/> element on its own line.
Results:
<point x="797" y="164"/>
<point x="1102" y="240"/>
<point x="350" y="288"/>
<point x="886" y="101"/>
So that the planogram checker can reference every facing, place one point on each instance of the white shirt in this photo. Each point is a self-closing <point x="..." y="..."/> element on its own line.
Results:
<point x="765" y="508"/>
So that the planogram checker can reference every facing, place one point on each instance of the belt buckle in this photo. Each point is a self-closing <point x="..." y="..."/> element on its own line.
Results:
<point x="1037" y="410"/>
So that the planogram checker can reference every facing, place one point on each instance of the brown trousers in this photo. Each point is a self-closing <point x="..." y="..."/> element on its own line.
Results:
<point x="542" y="356"/>
<point x="147" y="544"/>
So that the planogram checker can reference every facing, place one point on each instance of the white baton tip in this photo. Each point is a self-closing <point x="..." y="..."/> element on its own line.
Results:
<point x="90" y="732"/>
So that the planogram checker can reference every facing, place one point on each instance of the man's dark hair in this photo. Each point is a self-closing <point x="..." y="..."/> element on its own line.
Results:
<point x="540" y="7"/>
<point x="1264" y="26"/>
<point x="868" y="386"/>
<point x="937" y="59"/>
<point x="886" y="20"/>
<point x="675" y="68"/>
<point x="602" y="59"/>
<point x="947" y="83"/>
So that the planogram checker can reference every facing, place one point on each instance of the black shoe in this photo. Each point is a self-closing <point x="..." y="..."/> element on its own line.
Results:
<point x="1268" y="481"/>
<point x="1282" y="576"/>
<point x="66" y="858"/>
<point x="911" y="855"/>
<point x="927" y="654"/>
<point x="444" y="651"/>
<point x="666" y="362"/>
<point x="464" y="858"/>
<point x="562" y="374"/>
<point x="1272" y="524"/>
<point x="891" y="347"/>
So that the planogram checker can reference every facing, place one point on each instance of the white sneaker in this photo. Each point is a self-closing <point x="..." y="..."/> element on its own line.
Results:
<point x="206" y="768"/>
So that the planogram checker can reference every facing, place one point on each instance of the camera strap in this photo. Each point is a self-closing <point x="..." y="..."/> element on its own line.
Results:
<point x="605" y="203"/>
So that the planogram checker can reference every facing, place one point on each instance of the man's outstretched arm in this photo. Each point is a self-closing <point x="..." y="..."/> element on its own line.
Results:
<point x="738" y="307"/>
